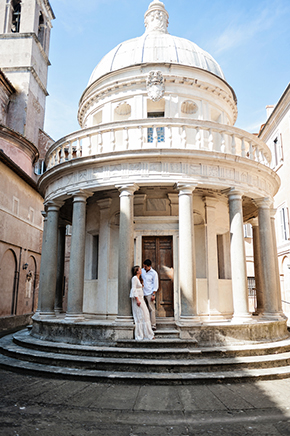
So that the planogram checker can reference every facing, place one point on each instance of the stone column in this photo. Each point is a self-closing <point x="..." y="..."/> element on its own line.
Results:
<point x="126" y="250"/>
<point x="278" y="283"/>
<point x="104" y="249"/>
<point x="48" y="267"/>
<point x="77" y="257"/>
<point x="43" y="213"/>
<point x="187" y="265"/>
<point x="212" y="257"/>
<point x="257" y="266"/>
<point x="267" y="257"/>
<point x="238" y="258"/>
<point x="60" y="268"/>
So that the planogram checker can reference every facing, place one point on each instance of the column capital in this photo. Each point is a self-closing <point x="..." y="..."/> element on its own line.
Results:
<point x="263" y="203"/>
<point x="185" y="188"/>
<point x="254" y="222"/>
<point x="104" y="203"/>
<point x="128" y="189"/>
<point x="233" y="193"/>
<point x="53" y="206"/>
<point x="80" y="195"/>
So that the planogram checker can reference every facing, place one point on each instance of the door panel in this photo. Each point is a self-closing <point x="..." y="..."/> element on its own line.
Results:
<point x="159" y="250"/>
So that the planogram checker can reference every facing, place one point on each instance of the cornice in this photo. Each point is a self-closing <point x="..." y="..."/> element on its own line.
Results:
<point x="279" y="112"/>
<point x="26" y="36"/>
<point x="19" y="141"/>
<point x="27" y="70"/>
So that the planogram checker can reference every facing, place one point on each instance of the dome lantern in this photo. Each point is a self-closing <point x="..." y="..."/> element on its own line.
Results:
<point x="156" y="18"/>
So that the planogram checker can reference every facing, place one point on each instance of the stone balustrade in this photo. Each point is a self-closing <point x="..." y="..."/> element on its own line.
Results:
<point x="161" y="133"/>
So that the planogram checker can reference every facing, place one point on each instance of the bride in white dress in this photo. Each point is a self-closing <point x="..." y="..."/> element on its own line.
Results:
<point x="140" y="311"/>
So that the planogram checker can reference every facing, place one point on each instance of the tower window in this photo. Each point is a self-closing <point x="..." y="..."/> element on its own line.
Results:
<point x="16" y="14"/>
<point x="41" y="29"/>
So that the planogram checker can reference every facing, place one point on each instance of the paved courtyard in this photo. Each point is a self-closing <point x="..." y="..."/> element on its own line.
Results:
<point x="39" y="406"/>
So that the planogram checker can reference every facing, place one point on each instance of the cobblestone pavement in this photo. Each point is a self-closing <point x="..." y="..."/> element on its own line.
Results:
<point x="39" y="406"/>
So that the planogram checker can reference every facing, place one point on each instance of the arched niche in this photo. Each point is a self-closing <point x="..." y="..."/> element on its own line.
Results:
<point x="8" y="284"/>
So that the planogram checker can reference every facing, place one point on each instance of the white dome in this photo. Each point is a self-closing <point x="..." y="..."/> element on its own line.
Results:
<point x="156" y="46"/>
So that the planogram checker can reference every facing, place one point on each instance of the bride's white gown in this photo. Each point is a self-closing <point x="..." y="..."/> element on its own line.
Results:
<point x="141" y="315"/>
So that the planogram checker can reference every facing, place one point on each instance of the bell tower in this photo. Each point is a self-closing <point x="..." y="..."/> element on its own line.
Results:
<point x="25" y="27"/>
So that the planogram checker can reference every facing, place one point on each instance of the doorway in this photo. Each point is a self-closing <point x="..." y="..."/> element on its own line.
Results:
<point x="159" y="250"/>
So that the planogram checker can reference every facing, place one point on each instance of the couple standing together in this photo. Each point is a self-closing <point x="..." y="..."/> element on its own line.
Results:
<point x="144" y="288"/>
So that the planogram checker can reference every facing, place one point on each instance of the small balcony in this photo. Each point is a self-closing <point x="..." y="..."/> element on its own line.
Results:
<point x="161" y="133"/>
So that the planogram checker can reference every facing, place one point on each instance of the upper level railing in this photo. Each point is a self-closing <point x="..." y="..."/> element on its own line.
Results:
<point x="173" y="133"/>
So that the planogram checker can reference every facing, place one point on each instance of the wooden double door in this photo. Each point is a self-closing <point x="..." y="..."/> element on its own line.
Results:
<point x="159" y="250"/>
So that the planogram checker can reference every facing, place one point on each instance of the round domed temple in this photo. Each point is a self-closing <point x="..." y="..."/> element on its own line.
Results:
<point x="158" y="170"/>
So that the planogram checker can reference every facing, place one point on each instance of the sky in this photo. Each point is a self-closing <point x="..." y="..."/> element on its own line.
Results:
<point x="250" y="39"/>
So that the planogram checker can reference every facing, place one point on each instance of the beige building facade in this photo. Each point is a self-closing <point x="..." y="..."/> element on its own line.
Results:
<point x="24" y="41"/>
<point x="276" y="133"/>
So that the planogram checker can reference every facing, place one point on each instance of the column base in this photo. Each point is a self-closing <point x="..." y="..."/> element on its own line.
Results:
<point x="189" y="320"/>
<point x="124" y="319"/>
<point x="74" y="317"/>
<point x="45" y="313"/>
<point x="274" y="316"/>
<point x="241" y="319"/>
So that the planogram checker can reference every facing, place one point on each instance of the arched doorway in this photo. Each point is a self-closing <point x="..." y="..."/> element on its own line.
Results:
<point x="8" y="279"/>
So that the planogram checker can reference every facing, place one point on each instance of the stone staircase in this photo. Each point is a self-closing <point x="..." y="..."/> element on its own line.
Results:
<point x="165" y="360"/>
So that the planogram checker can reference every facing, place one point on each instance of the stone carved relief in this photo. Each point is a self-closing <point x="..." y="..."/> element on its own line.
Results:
<point x="155" y="85"/>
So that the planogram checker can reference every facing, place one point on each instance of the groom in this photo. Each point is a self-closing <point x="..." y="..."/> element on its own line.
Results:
<point x="150" y="280"/>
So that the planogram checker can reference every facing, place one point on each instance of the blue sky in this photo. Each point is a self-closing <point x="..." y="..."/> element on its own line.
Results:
<point x="250" y="39"/>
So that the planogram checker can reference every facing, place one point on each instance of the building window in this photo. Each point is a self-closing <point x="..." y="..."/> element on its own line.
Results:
<point x="159" y="130"/>
<point x="39" y="167"/>
<point x="277" y="150"/>
<point x="16" y="14"/>
<point x="248" y="231"/>
<point x="41" y="29"/>
<point x="16" y="206"/>
<point x="95" y="257"/>
<point x="283" y="223"/>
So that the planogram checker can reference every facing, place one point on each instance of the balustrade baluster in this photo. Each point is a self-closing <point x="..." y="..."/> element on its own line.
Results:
<point x="141" y="137"/>
<point x="55" y="154"/>
<point x="234" y="146"/>
<point x="113" y="140"/>
<point x="198" y="139"/>
<point x="100" y="142"/>
<point x="126" y="138"/>
<point x="90" y="145"/>
<point x="251" y="150"/>
<point x="243" y="148"/>
<point x="78" y="148"/>
<point x="155" y="137"/>
<point x="70" y="151"/>
<point x="183" y="137"/>
<point x="169" y="129"/>
<point x="223" y="143"/>
<point x="62" y="154"/>
<point x="210" y="140"/>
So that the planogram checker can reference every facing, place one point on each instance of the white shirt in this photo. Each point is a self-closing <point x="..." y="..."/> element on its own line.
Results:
<point x="150" y="279"/>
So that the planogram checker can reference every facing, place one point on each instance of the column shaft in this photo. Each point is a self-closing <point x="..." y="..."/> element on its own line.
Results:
<point x="278" y="283"/>
<point x="126" y="249"/>
<point x="77" y="257"/>
<point x="238" y="257"/>
<point x="104" y="249"/>
<point x="258" y="267"/>
<point x="60" y="269"/>
<point x="48" y="267"/>
<point x="187" y="266"/>
<point x="212" y="257"/>
<point x="267" y="257"/>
